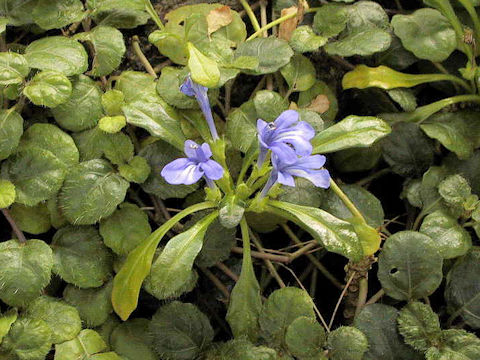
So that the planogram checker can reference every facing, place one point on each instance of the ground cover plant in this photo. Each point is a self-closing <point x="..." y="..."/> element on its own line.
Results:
<point x="239" y="180"/>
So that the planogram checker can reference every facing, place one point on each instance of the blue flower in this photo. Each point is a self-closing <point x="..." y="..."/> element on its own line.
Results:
<point x="191" y="88"/>
<point x="189" y="170"/>
<point x="286" y="137"/>
<point x="308" y="167"/>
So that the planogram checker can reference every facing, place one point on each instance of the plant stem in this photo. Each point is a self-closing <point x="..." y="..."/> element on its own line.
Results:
<point x="251" y="15"/>
<point x="263" y="16"/>
<point x="153" y="14"/>
<point x="227" y="271"/>
<point x="216" y="281"/>
<point x="467" y="4"/>
<point x="345" y="288"/>
<point x="348" y="203"/>
<point x="374" y="176"/>
<point x="376" y="297"/>
<point x="272" y="24"/>
<point x="138" y="52"/>
<point x="262" y="255"/>
<point x="20" y="237"/>
<point x="362" y="295"/>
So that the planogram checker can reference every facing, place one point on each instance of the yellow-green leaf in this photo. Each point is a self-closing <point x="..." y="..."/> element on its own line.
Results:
<point x="204" y="71"/>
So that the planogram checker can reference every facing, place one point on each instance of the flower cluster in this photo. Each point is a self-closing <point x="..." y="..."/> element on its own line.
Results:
<point x="287" y="138"/>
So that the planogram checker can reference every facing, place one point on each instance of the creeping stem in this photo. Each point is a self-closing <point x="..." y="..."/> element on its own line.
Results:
<point x="251" y="15"/>
<point x="348" y="203"/>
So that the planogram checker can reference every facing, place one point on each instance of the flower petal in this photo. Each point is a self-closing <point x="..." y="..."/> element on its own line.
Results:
<point x="320" y="178"/>
<point x="182" y="171"/>
<point x="286" y="119"/>
<point x="285" y="178"/>
<point x="190" y="148"/>
<point x="312" y="162"/>
<point x="212" y="169"/>
<point x="207" y="152"/>
<point x="284" y="153"/>
<point x="187" y="87"/>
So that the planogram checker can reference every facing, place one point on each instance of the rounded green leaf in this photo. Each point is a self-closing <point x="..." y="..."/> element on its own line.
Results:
<point x="347" y="343"/>
<point x="80" y="258"/>
<point x="57" y="53"/>
<point x="299" y="73"/>
<point x="269" y="105"/>
<point x="48" y="88"/>
<point x="28" y="339"/>
<point x="84" y="346"/>
<point x="122" y="14"/>
<point x="305" y="40"/>
<point x="180" y="331"/>
<point x="410" y="266"/>
<point x="83" y="109"/>
<point x="426" y="33"/>
<point x="112" y="124"/>
<point x="168" y="87"/>
<point x="330" y="19"/>
<point x="282" y="307"/>
<point x="62" y="319"/>
<point x="13" y="68"/>
<point x="204" y="70"/>
<point x="55" y="14"/>
<point x="272" y="54"/>
<point x="36" y="173"/>
<point x="11" y="129"/>
<point x="25" y="269"/>
<point x="305" y="338"/>
<point x="131" y="340"/>
<point x="241" y="349"/>
<point x="320" y="90"/>
<point x="451" y="239"/>
<point x="18" y="12"/>
<point x="34" y="220"/>
<point x="463" y="288"/>
<point x="379" y="323"/>
<point x="7" y="193"/>
<point x="125" y="229"/>
<point x="93" y="305"/>
<point x="109" y="48"/>
<point x="137" y="170"/>
<point x="91" y="191"/>
<point x="112" y="102"/>
<point x="6" y="321"/>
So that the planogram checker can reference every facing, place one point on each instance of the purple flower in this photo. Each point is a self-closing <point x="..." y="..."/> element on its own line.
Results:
<point x="286" y="137"/>
<point x="189" y="170"/>
<point x="308" y="167"/>
<point x="191" y="88"/>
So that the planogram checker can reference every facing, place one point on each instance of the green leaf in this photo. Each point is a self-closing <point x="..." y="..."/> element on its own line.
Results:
<point x="330" y="20"/>
<point x="112" y="102"/>
<point x="6" y="321"/>
<point x="18" y="12"/>
<point x="11" y="129"/>
<point x="55" y="14"/>
<point x="353" y="160"/>
<point x="180" y="331"/>
<point x="57" y="53"/>
<point x="49" y="137"/>
<point x="204" y="70"/>
<point x="353" y="131"/>
<point x="125" y="229"/>
<point x="455" y="131"/>
<point x="173" y="267"/>
<point x="469" y="169"/>
<point x="91" y="191"/>
<point x="28" y="339"/>
<point x="131" y="340"/>
<point x="158" y="155"/>
<point x="231" y="212"/>
<point x="241" y="126"/>
<point x="33" y="220"/>
<point x="347" y="343"/>
<point x="383" y="77"/>
<point x="426" y="33"/>
<point x="419" y="326"/>
<point x="457" y="344"/>
<point x="122" y="14"/>
<point x="320" y="91"/>
<point x="13" y="68"/>
<point x="62" y="319"/>
<point x="245" y="301"/>
<point x="407" y="150"/>
<point x="217" y="244"/>
<point x="168" y="87"/>
<point x="379" y="323"/>
<point x="86" y="346"/>
<point x="109" y="48"/>
<point x="83" y="109"/>
<point x="404" y="97"/>
<point x="272" y="54"/>
<point x="305" y="338"/>
<point x="240" y="349"/>
<point x="129" y="279"/>
<point x="24" y="271"/>
<point x="137" y="86"/>
<point x="455" y="190"/>
<point x="36" y="173"/>
<point x="80" y="258"/>
<point x="451" y="239"/>
<point x="366" y="202"/>
<point x="48" y="88"/>
<point x="462" y="291"/>
<point x="282" y="307"/>
<point x="303" y="193"/>
<point x="137" y="170"/>
<point x="93" y="305"/>
<point x="335" y="235"/>
<point x="409" y="266"/>
<point x="305" y="40"/>
<point x="269" y="105"/>
<point x="154" y="118"/>
<point x="366" y="31"/>
<point x="112" y="124"/>
<point x="7" y="193"/>
<point x="299" y="73"/>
